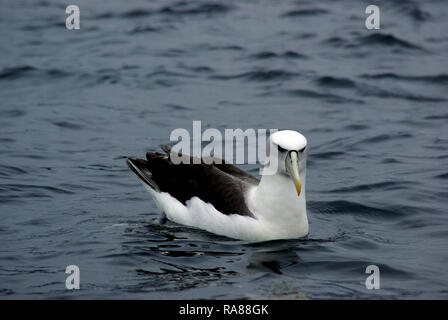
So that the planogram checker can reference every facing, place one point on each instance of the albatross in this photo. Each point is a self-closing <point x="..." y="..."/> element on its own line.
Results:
<point x="226" y="200"/>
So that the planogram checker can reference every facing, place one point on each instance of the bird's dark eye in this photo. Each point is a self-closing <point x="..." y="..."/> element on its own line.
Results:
<point x="281" y="149"/>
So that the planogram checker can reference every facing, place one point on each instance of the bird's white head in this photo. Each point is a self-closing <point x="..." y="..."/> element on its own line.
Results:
<point x="291" y="147"/>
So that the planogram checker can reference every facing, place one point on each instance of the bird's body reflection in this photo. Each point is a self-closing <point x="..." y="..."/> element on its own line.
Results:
<point x="273" y="256"/>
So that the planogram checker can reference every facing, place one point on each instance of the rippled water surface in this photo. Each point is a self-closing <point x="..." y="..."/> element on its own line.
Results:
<point x="373" y="105"/>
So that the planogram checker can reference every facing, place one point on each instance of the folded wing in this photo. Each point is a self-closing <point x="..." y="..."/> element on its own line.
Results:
<point x="220" y="184"/>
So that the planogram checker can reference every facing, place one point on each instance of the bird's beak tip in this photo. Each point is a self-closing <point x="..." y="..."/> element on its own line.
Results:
<point x="299" y="188"/>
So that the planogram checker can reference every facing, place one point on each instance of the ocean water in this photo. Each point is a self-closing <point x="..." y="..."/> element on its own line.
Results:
<point x="372" y="104"/>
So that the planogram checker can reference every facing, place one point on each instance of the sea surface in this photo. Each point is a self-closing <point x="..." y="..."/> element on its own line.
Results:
<point x="373" y="105"/>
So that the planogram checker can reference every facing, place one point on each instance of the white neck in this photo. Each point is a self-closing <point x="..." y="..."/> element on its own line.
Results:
<point x="275" y="202"/>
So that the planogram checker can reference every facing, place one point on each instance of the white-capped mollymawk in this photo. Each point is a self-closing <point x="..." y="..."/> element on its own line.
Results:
<point x="228" y="201"/>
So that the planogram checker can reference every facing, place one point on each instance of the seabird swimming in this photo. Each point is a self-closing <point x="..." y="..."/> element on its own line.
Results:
<point x="225" y="200"/>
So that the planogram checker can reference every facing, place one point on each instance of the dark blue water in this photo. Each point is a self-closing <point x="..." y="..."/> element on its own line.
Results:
<point x="373" y="105"/>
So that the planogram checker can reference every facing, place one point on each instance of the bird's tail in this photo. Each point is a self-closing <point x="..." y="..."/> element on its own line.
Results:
<point x="141" y="169"/>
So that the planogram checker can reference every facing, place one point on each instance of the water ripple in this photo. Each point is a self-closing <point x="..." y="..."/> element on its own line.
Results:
<point x="353" y="208"/>
<point x="305" y="12"/>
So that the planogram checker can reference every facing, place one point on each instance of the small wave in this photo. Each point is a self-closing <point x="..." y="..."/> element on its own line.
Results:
<point x="436" y="79"/>
<point x="306" y="35"/>
<point x="384" y="137"/>
<point x="377" y="39"/>
<point x="414" y="11"/>
<point x="134" y="13"/>
<point x="6" y="292"/>
<point x="34" y="27"/>
<point x="68" y="125"/>
<point x="372" y="91"/>
<point x="179" y="8"/>
<point x="197" y="69"/>
<point x="165" y="276"/>
<point x="442" y="234"/>
<point x="161" y="71"/>
<point x="100" y="167"/>
<point x="16" y="72"/>
<point x="104" y="15"/>
<point x="100" y="77"/>
<point x="437" y="117"/>
<point x="305" y="12"/>
<point x="117" y="225"/>
<point x="336" y="42"/>
<point x="327" y="155"/>
<point x="259" y="75"/>
<point x="354" y="267"/>
<point x="387" y="40"/>
<point x="390" y="160"/>
<point x="176" y="107"/>
<point x="333" y="98"/>
<point x="19" y="72"/>
<point x="6" y="140"/>
<point x="353" y="208"/>
<point x="334" y="82"/>
<point x="442" y="176"/>
<point x="35" y="222"/>
<point x="387" y="185"/>
<point x="232" y="47"/>
<point x="6" y="170"/>
<point x="419" y="15"/>
<point x="147" y="28"/>
<point x="191" y="8"/>
<point x="12" y="113"/>
<point x="11" y="192"/>
<point x="77" y="187"/>
<point x="174" y="53"/>
<point x="270" y="54"/>
<point x="356" y="127"/>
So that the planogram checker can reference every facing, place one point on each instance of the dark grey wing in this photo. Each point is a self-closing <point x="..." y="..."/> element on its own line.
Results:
<point x="223" y="166"/>
<point x="237" y="173"/>
<point x="224" y="186"/>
